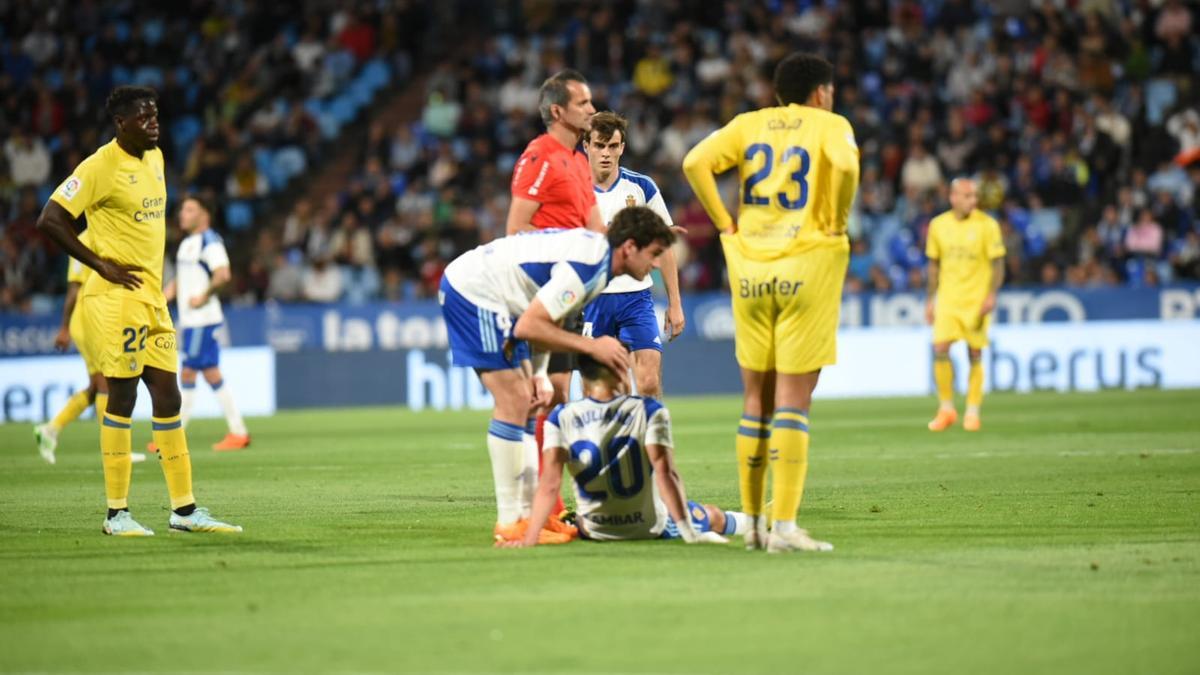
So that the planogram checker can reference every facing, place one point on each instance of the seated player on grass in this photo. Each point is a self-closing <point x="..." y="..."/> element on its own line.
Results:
<point x="618" y="449"/>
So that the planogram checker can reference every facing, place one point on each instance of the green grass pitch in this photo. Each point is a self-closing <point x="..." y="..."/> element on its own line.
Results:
<point x="1064" y="538"/>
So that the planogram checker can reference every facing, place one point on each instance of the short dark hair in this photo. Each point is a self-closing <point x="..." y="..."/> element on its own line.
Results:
<point x="642" y="225"/>
<point x="554" y="92"/>
<point x="591" y="369"/>
<point x="123" y="98"/>
<point x="799" y="74"/>
<point x="203" y="200"/>
<point x="607" y="123"/>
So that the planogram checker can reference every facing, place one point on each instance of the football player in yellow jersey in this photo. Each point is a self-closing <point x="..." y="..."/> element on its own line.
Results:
<point x="966" y="268"/>
<point x="71" y="329"/>
<point x="787" y="253"/>
<point x="122" y="190"/>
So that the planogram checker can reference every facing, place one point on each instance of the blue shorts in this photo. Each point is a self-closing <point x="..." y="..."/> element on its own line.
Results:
<point x="198" y="347"/>
<point x="700" y="521"/>
<point x="629" y="317"/>
<point x="479" y="338"/>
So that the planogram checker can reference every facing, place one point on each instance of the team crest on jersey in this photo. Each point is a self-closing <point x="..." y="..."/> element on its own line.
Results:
<point x="132" y="179"/>
<point x="71" y="188"/>
<point x="132" y="365"/>
<point x="630" y="201"/>
<point x="698" y="512"/>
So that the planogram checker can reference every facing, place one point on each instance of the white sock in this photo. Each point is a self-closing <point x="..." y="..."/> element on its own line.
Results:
<point x="783" y="527"/>
<point x="973" y="410"/>
<point x="233" y="418"/>
<point x="187" y="396"/>
<point x="507" y="450"/>
<point x="529" y="475"/>
<point x="742" y="523"/>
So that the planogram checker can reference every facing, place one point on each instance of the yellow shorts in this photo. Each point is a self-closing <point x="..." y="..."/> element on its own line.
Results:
<point x="786" y="311"/>
<point x="125" y="335"/>
<point x="952" y="326"/>
<point x="79" y="337"/>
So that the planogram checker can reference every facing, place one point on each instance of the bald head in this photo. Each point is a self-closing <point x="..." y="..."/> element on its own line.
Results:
<point x="963" y="196"/>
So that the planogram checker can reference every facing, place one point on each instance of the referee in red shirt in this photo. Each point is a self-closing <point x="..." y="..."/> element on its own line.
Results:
<point x="552" y="188"/>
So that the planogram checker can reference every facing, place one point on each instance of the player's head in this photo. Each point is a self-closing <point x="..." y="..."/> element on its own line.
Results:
<point x="605" y="144"/>
<point x="963" y="196"/>
<point x="638" y="237"/>
<point x="594" y="373"/>
<point x="134" y="111"/>
<point x="806" y="79"/>
<point x="566" y="99"/>
<point x="195" y="213"/>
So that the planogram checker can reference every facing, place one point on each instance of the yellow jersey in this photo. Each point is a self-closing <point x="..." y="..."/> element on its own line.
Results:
<point x="77" y="272"/>
<point x="964" y="250"/>
<point x="125" y="199"/>
<point x="798" y="172"/>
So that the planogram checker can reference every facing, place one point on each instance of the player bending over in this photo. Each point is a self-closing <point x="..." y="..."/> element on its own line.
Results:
<point x="618" y="450"/>
<point x="540" y="277"/>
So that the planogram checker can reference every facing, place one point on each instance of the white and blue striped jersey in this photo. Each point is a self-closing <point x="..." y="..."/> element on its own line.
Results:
<point x="565" y="269"/>
<point x="630" y="189"/>
<point x="199" y="254"/>
<point x="606" y="443"/>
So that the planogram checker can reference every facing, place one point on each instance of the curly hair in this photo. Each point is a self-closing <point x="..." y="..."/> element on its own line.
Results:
<point x="799" y="74"/>
<point x="122" y="99"/>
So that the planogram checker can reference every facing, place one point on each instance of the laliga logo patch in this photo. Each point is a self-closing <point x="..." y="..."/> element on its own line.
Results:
<point x="567" y="297"/>
<point x="71" y="188"/>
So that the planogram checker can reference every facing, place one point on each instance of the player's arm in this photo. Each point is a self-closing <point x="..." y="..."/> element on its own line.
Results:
<point x="674" y="321"/>
<point x="711" y="156"/>
<point x="931" y="288"/>
<point x="549" y="485"/>
<point x="933" y="252"/>
<point x="220" y="277"/>
<point x="520" y="213"/>
<point x="996" y="252"/>
<point x="670" y="488"/>
<point x="63" y="339"/>
<point x="842" y="152"/>
<point x="58" y="225"/>
<point x="595" y="222"/>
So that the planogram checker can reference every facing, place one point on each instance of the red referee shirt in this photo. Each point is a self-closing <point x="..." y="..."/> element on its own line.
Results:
<point x="559" y="179"/>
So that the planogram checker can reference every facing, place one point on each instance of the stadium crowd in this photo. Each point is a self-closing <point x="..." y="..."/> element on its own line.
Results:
<point x="1079" y="120"/>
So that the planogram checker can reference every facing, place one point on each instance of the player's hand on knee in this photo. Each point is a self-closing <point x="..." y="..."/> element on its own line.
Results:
<point x="119" y="274"/>
<point x="609" y="351"/>
<point x="543" y="391"/>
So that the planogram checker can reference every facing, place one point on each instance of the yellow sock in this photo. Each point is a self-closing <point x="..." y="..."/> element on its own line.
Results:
<point x="943" y="375"/>
<point x="753" y="436"/>
<point x="101" y="406"/>
<point x="789" y="462"/>
<point x="176" y="462"/>
<point x="73" y="408"/>
<point x="116" y="438"/>
<point x="975" y="386"/>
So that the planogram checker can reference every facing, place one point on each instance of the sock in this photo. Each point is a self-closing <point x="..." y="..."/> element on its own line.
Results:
<point x="113" y="512"/>
<point x="187" y="396"/>
<point x="736" y="523"/>
<point x="73" y="408"/>
<point x="753" y="437"/>
<point x="116" y="440"/>
<point x="101" y="406"/>
<point x="975" y="387"/>
<point x="789" y="462"/>
<point x="531" y="466"/>
<point x="176" y="462"/>
<point x="233" y="418"/>
<point x="559" y="507"/>
<point x="943" y="375"/>
<point x="507" y="451"/>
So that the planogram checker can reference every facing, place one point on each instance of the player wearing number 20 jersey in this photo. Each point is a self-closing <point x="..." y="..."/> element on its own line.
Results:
<point x="786" y="254"/>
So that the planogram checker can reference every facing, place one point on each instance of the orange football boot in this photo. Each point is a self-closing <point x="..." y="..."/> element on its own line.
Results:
<point x="517" y="530"/>
<point x="944" y="419"/>
<point x="232" y="442"/>
<point x="971" y="422"/>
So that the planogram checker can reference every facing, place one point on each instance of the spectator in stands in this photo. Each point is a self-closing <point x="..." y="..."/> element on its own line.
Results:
<point x="322" y="282"/>
<point x="1145" y="238"/>
<point x="28" y="159"/>
<point x="921" y="173"/>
